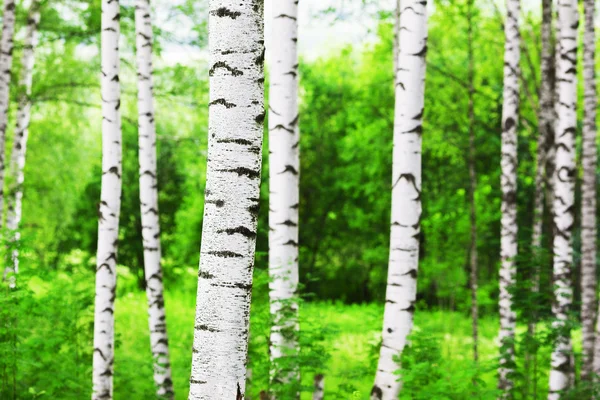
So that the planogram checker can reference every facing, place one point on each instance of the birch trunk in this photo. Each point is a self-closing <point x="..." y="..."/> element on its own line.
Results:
<point x="110" y="205"/>
<point x="546" y="117"/>
<point x="284" y="168"/>
<point x="17" y="162"/>
<point x="401" y="289"/>
<point x="588" y="193"/>
<point x="159" y="340"/>
<point x="319" y="387"/>
<point x="236" y="115"/>
<point x="564" y="194"/>
<point x="508" y="240"/>
<point x="472" y="186"/>
<point x="6" y="57"/>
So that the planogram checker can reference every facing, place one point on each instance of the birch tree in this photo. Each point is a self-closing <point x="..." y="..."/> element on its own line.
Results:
<point x="284" y="168"/>
<point x="236" y="116"/>
<point x="110" y="204"/>
<point x="6" y="57"/>
<point x="17" y="162"/>
<point x="564" y="194"/>
<point x="406" y="197"/>
<point x="508" y="240"/>
<point x="546" y="117"/>
<point x="159" y="340"/>
<point x="588" y="192"/>
<point x="472" y="183"/>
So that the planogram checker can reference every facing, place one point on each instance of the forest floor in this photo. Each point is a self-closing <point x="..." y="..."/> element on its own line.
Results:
<point x="350" y="333"/>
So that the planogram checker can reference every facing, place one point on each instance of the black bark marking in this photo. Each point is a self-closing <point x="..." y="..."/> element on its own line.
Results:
<point x="509" y="124"/>
<point x="225" y="12"/>
<point x="239" y="395"/>
<point x="225" y="254"/>
<point x="222" y="102"/>
<point x="218" y="203"/>
<point x="243" y="171"/>
<point x="260" y="118"/>
<point x="280" y="126"/>
<point x="290" y="169"/>
<point x="243" y="142"/>
<point x="220" y="64"/>
<point x="286" y="16"/>
<point x="242" y="230"/>
<point x="205" y="275"/>
<point x="288" y="223"/>
<point x="260" y="60"/>
<point x="202" y="327"/>
<point x="376" y="393"/>
<point x="291" y="243"/>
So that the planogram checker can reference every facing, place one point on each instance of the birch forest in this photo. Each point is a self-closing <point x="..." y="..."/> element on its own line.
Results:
<point x="299" y="199"/>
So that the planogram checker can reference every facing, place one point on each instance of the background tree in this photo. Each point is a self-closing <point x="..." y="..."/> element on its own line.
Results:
<point x="284" y="170"/>
<point x="406" y="197"/>
<point x="509" y="163"/>
<point x="564" y="195"/>
<point x="159" y="339"/>
<point x="6" y="57"/>
<point x="109" y="206"/>
<point x="589" y="161"/>
<point x="17" y="162"/>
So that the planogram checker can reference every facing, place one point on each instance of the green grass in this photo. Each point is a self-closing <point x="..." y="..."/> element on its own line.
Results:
<point x="54" y="349"/>
<point x="352" y="338"/>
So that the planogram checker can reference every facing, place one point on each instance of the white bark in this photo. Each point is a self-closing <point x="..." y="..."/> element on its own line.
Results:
<point x="319" y="387"/>
<point x="564" y="193"/>
<point x="508" y="241"/>
<point x="159" y="340"/>
<point x="401" y="289"/>
<point x="236" y="115"/>
<point x="284" y="168"/>
<point x="109" y="207"/>
<point x="6" y="57"/>
<point x="17" y="162"/>
<point x="588" y="192"/>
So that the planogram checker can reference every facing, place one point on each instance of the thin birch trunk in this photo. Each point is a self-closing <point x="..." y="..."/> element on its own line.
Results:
<point x="546" y="117"/>
<point x="508" y="240"/>
<point x="159" y="340"/>
<point x="319" y="387"/>
<point x="236" y="115"/>
<point x="396" y="37"/>
<point x="17" y="162"/>
<point x="6" y="58"/>
<point x="110" y="205"/>
<point x="588" y="192"/>
<point x="472" y="186"/>
<point x="401" y="289"/>
<point x="284" y="169"/>
<point x="564" y="199"/>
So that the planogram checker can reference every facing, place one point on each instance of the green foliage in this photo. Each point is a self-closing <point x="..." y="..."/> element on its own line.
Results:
<point x="427" y="374"/>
